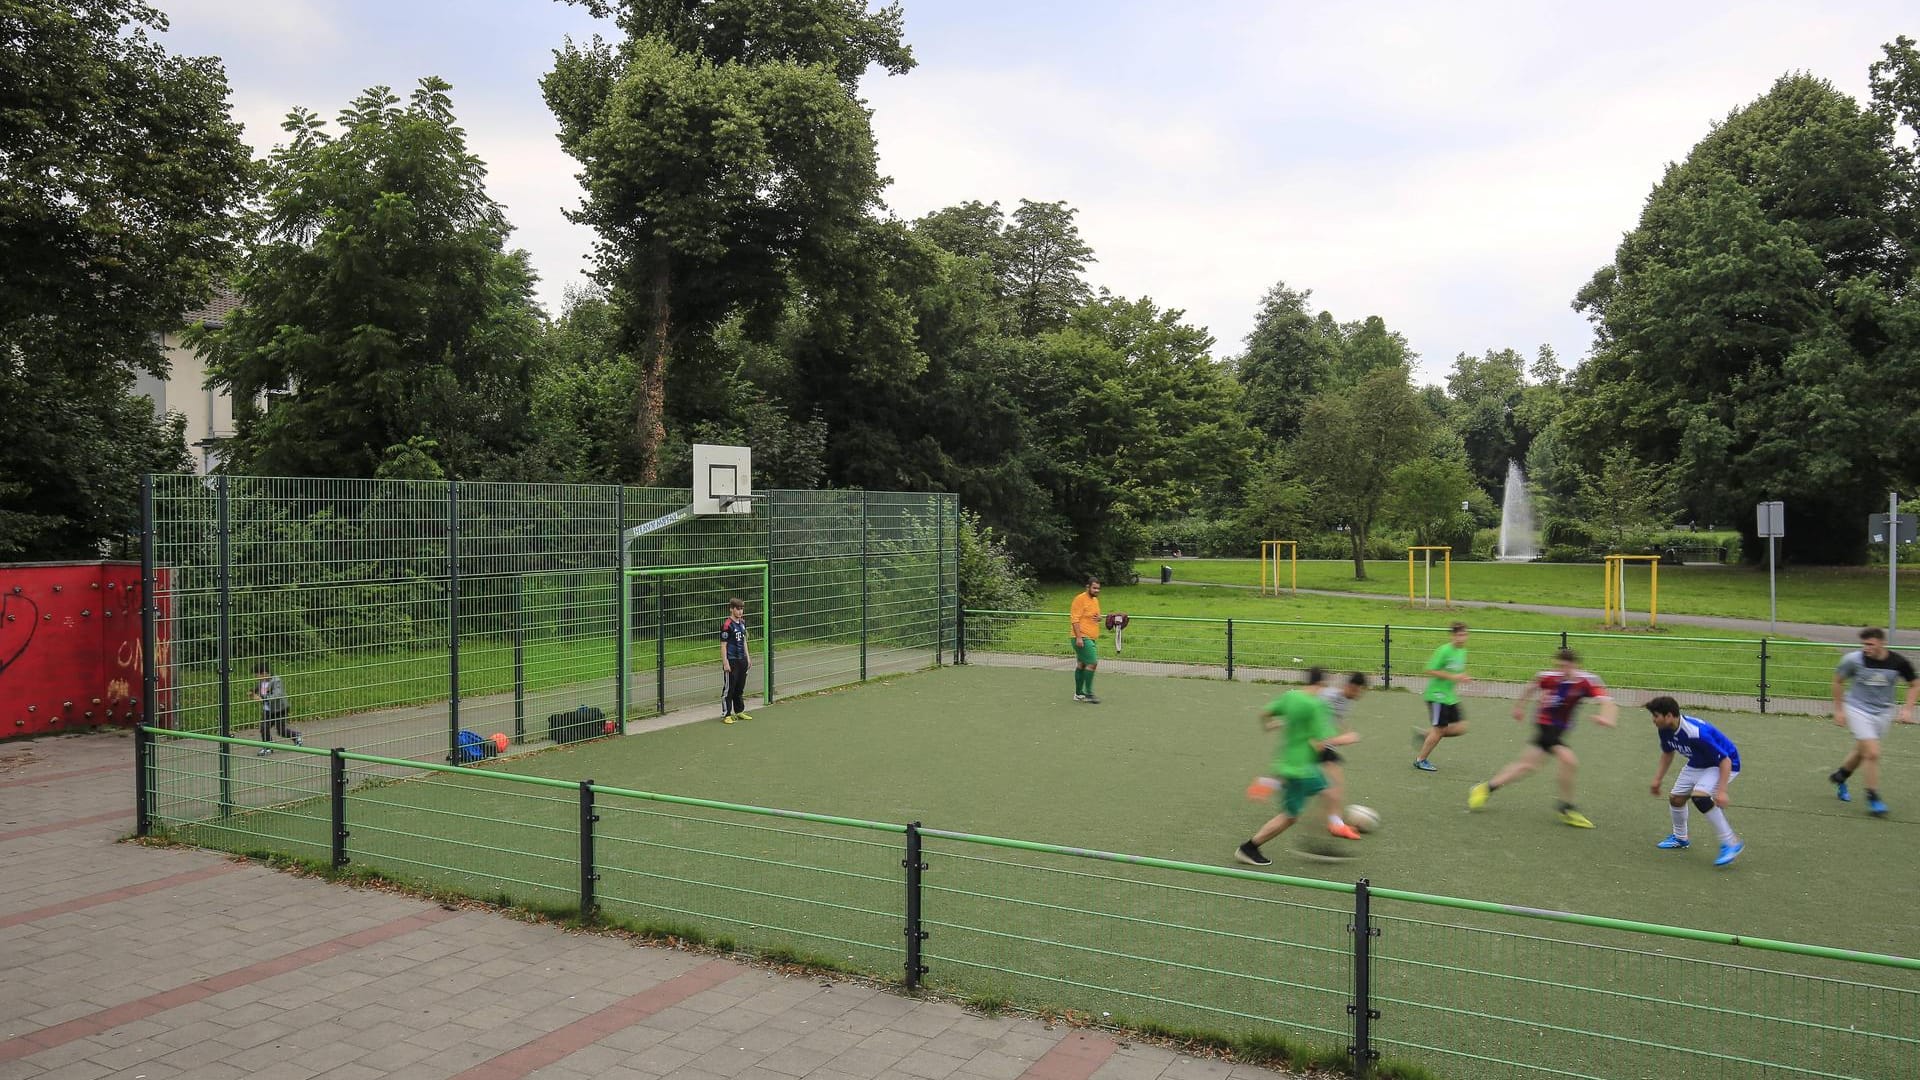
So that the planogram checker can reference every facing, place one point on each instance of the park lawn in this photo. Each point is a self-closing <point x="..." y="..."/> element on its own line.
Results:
<point x="1839" y="596"/>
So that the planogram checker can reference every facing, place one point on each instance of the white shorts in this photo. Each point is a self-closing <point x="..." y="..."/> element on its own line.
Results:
<point x="1866" y="725"/>
<point x="1692" y="781"/>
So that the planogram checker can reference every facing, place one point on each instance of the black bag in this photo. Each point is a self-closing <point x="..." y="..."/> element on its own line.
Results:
<point x="585" y="722"/>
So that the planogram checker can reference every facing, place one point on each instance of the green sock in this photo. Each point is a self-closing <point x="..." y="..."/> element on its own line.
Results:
<point x="1089" y="683"/>
<point x="1079" y="681"/>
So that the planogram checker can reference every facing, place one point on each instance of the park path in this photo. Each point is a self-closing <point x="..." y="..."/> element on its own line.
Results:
<point x="121" y="960"/>
<point x="1811" y="631"/>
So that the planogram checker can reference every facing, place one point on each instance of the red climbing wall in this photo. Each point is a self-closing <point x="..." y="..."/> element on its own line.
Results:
<point x="70" y="651"/>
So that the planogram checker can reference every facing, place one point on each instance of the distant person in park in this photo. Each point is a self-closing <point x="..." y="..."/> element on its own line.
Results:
<point x="1561" y="689"/>
<point x="734" y="662"/>
<point x="271" y="693"/>
<point x="1083" y="622"/>
<point x="1863" y="704"/>
<point x="1339" y="699"/>
<point x="1446" y="674"/>
<point x="1712" y="763"/>
<point x="1305" y="721"/>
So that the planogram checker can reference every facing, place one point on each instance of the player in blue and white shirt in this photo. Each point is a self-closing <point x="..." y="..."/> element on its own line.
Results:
<point x="1712" y="761"/>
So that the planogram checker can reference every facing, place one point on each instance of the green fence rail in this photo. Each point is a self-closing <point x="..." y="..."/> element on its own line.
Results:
<point x="1375" y="978"/>
<point x="398" y="613"/>
<point x="1763" y="674"/>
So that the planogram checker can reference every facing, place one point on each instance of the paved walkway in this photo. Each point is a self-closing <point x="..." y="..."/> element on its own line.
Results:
<point x="118" y="960"/>
<point x="1813" y="631"/>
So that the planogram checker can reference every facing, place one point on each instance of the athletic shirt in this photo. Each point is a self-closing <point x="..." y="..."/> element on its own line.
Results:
<point x="1452" y="659"/>
<point x="1305" y="718"/>
<point x="1083" y="616"/>
<point x="1337" y="702"/>
<point x="1871" y="688"/>
<point x="1561" y="694"/>
<point x="734" y="633"/>
<point x="1702" y="743"/>
<point x="273" y="695"/>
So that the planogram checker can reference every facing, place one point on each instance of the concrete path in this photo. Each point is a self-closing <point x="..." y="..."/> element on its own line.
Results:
<point x="118" y="960"/>
<point x="1811" y="631"/>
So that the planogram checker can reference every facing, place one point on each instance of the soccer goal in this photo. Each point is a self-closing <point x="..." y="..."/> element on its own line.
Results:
<point x="1270" y="554"/>
<point x="1614" y="606"/>
<point x="1424" y="552"/>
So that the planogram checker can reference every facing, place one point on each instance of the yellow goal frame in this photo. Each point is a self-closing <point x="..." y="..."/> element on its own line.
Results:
<point x="1448" y="548"/>
<point x="1270" y="555"/>
<point x="1614" y="605"/>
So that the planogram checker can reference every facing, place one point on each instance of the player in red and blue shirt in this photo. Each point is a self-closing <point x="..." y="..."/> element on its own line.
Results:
<point x="1561" y="689"/>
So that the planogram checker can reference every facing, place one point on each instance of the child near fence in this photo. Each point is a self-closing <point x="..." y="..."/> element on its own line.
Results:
<point x="271" y="693"/>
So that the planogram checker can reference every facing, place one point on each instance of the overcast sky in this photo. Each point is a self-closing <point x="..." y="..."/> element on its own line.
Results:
<point x="1459" y="169"/>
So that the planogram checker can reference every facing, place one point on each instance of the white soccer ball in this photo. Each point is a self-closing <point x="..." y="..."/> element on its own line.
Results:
<point x="1362" y="818"/>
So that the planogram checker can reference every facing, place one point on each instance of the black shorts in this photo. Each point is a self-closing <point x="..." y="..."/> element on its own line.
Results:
<point x="1546" y="736"/>
<point x="1443" y="715"/>
<point x="1329" y="756"/>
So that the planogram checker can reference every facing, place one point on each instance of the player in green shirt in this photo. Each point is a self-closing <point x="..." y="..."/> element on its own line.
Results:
<point x="1308" y="729"/>
<point x="1446" y="674"/>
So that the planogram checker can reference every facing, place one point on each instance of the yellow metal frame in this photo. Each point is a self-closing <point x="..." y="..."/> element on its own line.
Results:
<point x="1270" y="552"/>
<point x="1449" y="573"/>
<point x="1614" y="605"/>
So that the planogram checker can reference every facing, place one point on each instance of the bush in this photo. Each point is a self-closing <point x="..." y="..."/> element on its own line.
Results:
<point x="1211" y="537"/>
<point x="1567" y="553"/>
<point x="989" y="576"/>
<point x="1484" y="545"/>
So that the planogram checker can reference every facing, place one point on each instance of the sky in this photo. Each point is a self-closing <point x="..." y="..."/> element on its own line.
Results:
<point x="1458" y="169"/>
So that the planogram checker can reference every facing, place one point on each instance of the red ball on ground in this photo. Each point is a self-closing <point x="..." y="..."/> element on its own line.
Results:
<point x="500" y="742"/>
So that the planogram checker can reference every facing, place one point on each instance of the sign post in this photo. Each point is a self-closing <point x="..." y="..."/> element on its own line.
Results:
<point x="1895" y="528"/>
<point x="1772" y="522"/>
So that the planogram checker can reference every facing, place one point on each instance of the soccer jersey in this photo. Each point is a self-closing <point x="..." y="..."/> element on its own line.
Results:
<point x="273" y="696"/>
<point x="1307" y="720"/>
<point x="1704" y="745"/>
<point x="1561" y="694"/>
<point x="1337" y="702"/>
<point x="1084" y="615"/>
<point x="1452" y="659"/>
<point x="734" y="633"/>
<point x="1870" y="687"/>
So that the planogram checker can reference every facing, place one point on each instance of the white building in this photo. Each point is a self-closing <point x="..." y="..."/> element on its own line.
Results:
<point x="209" y="411"/>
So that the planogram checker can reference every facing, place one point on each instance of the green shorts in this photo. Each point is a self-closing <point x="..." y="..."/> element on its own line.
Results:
<point x="1088" y="652"/>
<point x="1297" y="791"/>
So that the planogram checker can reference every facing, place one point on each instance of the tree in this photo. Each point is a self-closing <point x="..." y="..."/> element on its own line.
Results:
<point x="380" y="300"/>
<point x="1351" y="441"/>
<point x="727" y="160"/>
<point x="119" y="166"/>
<point x="1757" y="327"/>
<point x="1289" y="359"/>
<point x="1627" y="500"/>
<point x="1045" y="258"/>
<point x="1487" y="394"/>
<point x="1432" y="496"/>
<point x="1368" y="346"/>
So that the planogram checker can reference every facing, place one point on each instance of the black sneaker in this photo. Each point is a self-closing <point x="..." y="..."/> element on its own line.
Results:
<point x="1249" y="854"/>
<point x="1091" y="700"/>
<point x="296" y="739"/>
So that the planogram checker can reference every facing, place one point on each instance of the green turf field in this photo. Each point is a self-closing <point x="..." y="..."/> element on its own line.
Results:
<point x="1842" y="596"/>
<point x="1159" y="770"/>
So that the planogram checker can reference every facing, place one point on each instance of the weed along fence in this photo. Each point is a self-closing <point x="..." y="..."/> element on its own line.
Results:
<point x="1764" y="674"/>
<point x="1283" y="968"/>
<point x="398" y="613"/>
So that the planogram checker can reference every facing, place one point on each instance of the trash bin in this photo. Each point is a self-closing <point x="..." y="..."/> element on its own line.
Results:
<point x="1166" y="575"/>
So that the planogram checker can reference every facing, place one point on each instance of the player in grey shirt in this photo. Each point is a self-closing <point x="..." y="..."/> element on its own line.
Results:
<point x="1339" y="699"/>
<point x="1863" y="697"/>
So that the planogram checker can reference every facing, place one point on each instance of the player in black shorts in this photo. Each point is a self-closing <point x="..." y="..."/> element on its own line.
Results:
<point x="1561" y="688"/>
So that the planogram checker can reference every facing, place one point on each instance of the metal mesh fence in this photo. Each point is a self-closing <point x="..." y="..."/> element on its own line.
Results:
<point x="395" y="614"/>
<point x="1767" y="674"/>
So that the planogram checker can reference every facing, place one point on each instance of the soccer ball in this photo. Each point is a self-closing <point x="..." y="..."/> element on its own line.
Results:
<point x="1362" y="818"/>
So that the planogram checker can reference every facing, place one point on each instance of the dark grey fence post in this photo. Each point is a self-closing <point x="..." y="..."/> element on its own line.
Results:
<point x="1229" y="650"/>
<point x="622" y="615"/>
<point x="453" y="623"/>
<point x="589" y="874"/>
<point x="939" y="582"/>
<point x="223" y="630"/>
<point x="959" y="634"/>
<point x="1563" y="639"/>
<point x="660" y="644"/>
<point x="337" y="792"/>
<point x="149" y="610"/>
<point x="915" y="932"/>
<point x="864" y="572"/>
<point x="1361" y="1007"/>
<point x="1386" y="656"/>
<point x="1763" y="674"/>
<point x="142" y="779"/>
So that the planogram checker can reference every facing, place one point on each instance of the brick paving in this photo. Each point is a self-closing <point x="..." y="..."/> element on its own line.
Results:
<point x="124" y="961"/>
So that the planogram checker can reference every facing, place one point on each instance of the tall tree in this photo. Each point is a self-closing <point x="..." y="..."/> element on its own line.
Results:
<point x="1045" y="260"/>
<point x="727" y="160"/>
<point x="119" y="166"/>
<point x="1289" y="359"/>
<point x="380" y="298"/>
<point x="1488" y="394"/>
<point x="1351" y="442"/>
<point x="1757" y="328"/>
<point x="1367" y="346"/>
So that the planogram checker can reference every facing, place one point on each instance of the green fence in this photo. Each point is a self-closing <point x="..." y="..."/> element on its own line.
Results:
<point x="1337" y="972"/>
<point x="1764" y="674"/>
<point x="397" y="613"/>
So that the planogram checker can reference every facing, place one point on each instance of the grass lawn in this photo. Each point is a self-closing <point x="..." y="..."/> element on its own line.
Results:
<point x="1840" y="596"/>
<point x="1159" y="770"/>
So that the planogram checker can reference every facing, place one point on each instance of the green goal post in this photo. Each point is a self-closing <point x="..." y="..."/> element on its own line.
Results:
<point x="625" y="651"/>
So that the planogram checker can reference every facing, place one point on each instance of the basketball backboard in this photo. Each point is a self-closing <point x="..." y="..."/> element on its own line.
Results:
<point x="722" y="479"/>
